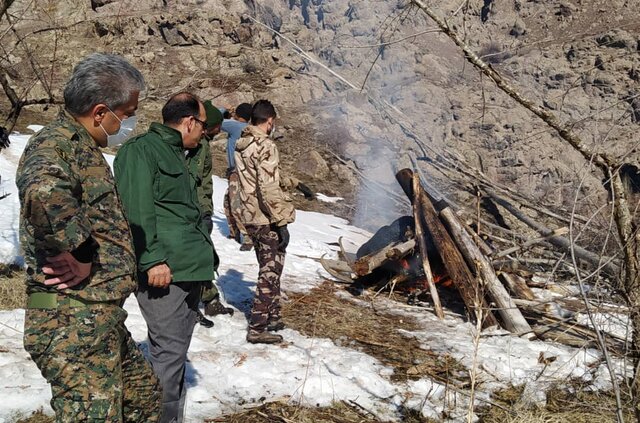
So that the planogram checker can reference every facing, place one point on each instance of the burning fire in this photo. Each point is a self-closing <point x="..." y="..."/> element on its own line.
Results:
<point x="420" y="281"/>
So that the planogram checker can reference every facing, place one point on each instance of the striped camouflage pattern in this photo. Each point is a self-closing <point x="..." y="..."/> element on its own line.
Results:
<point x="96" y="371"/>
<point x="266" y="303"/>
<point x="257" y="162"/>
<point x="68" y="195"/>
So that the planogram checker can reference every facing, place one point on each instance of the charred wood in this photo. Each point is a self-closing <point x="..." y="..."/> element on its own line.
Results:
<point x="455" y="264"/>
<point x="510" y="314"/>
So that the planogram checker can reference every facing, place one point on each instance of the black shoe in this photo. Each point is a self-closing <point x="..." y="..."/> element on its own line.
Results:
<point x="275" y="325"/>
<point x="215" y="308"/>
<point x="263" y="338"/>
<point x="203" y="321"/>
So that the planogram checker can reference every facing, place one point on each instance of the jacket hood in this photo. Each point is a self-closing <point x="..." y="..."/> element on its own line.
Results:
<point x="249" y="135"/>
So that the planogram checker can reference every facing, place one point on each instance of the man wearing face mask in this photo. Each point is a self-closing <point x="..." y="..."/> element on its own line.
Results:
<point x="173" y="246"/>
<point x="265" y="213"/>
<point x="79" y="252"/>
<point x="201" y="167"/>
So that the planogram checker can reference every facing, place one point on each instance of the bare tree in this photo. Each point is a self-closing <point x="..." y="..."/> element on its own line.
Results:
<point x="608" y="165"/>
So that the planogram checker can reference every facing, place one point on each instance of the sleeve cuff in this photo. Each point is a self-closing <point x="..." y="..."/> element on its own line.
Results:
<point x="84" y="252"/>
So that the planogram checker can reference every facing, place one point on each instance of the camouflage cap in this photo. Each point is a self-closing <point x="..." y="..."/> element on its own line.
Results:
<point x="214" y="117"/>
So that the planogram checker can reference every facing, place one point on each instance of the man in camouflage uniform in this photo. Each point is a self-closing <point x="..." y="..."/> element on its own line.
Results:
<point x="200" y="165"/>
<point x="79" y="253"/>
<point x="265" y="213"/>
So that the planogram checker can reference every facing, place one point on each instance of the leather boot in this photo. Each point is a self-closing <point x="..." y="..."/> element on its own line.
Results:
<point x="215" y="307"/>
<point x="203" y="321"/>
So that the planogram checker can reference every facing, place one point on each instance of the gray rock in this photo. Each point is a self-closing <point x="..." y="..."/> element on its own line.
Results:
<point x="313" y="165"/>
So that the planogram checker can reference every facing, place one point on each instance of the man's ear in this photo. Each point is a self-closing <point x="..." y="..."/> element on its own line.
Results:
<point x="98" y="112"/>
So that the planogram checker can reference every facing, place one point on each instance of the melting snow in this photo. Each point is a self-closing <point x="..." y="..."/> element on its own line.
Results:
<point x="225" y="373"/>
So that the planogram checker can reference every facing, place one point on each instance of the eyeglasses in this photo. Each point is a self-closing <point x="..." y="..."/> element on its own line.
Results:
<point x="204" y="124"/>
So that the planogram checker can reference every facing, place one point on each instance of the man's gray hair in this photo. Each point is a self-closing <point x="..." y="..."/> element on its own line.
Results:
<point x="101" y="78"/>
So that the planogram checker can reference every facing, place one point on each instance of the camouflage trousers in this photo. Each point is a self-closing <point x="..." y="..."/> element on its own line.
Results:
<point x="266" y="303"/>
<point x="96" y="371"/>
<point x="232" y="206"/>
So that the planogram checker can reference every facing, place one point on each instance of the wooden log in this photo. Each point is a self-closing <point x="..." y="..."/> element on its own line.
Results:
<point x="484" y="247"/>
<point x="401" y="250"/>
<point x="509" y="312"/>
<point x="367" y="264"/>
<point x="422" y="244"/>
<point x="453" y="261"/>
<point x="517" y="286"/>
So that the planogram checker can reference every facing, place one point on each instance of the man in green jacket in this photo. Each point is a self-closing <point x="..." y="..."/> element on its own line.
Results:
<point x="201" y="166"/>
<point x="174" y="252"/>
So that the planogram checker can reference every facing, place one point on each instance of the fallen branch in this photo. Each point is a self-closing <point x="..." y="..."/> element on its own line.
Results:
<point x="556" y="232"/>
<point x="563" y="243"/>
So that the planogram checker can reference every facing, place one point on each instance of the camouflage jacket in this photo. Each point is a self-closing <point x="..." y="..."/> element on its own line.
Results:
<point x="257" y="161"/>
<point x="68" y="199"/>
<point x="201" y="167"/>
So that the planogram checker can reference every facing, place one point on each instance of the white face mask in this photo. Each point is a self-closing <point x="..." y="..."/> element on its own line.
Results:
<point x="273" y="130"/>
<point x="126" y="129"/>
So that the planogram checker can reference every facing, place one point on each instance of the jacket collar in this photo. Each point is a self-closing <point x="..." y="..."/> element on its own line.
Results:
<point x="168" y="135"/>
<point x="250" y="134"/>
<point x="75" y="130"/>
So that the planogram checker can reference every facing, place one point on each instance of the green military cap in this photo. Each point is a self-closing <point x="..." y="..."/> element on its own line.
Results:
<point x="214" y="117"/>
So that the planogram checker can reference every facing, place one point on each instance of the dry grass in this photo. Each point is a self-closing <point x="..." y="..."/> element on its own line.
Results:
<point x="322" y="314"/>
<point x="564" y="405"/>
<point x="37" y="417"/>
<point x="282" y="412"/>
<point x="12" y="288"/>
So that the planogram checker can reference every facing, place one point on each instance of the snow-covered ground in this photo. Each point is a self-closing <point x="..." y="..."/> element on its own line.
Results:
<point x="225" y="373"/>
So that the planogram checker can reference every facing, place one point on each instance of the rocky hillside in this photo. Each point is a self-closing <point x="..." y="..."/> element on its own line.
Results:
<point x="406" y="91"/>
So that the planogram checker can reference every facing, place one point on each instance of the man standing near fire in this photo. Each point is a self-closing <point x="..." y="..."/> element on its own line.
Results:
<point x="265" y="213"/>
<point x="79" y="252"/>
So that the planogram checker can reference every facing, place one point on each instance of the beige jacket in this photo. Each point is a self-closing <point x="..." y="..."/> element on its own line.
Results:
<point x="262" y="200"/>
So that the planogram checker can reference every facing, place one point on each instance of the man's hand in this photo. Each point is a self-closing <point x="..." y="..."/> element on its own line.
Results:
<point x="67" y="271"/>
<point x="159" y="276"/>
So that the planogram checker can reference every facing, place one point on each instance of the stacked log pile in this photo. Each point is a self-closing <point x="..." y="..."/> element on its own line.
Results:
<point x="490" y="292"/>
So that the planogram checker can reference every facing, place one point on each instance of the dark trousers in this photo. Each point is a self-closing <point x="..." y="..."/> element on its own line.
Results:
<point x="170" y="314"/>
<point x="266" y="303"/>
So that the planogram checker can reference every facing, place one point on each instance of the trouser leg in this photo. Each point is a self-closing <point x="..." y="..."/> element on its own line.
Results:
<point x="85" y="354"/>
<point x="170" y="314"/>
<point x="266" y="303"/>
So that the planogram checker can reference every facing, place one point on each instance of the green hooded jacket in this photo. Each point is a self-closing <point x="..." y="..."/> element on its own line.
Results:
<point x="160" y="199"/>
